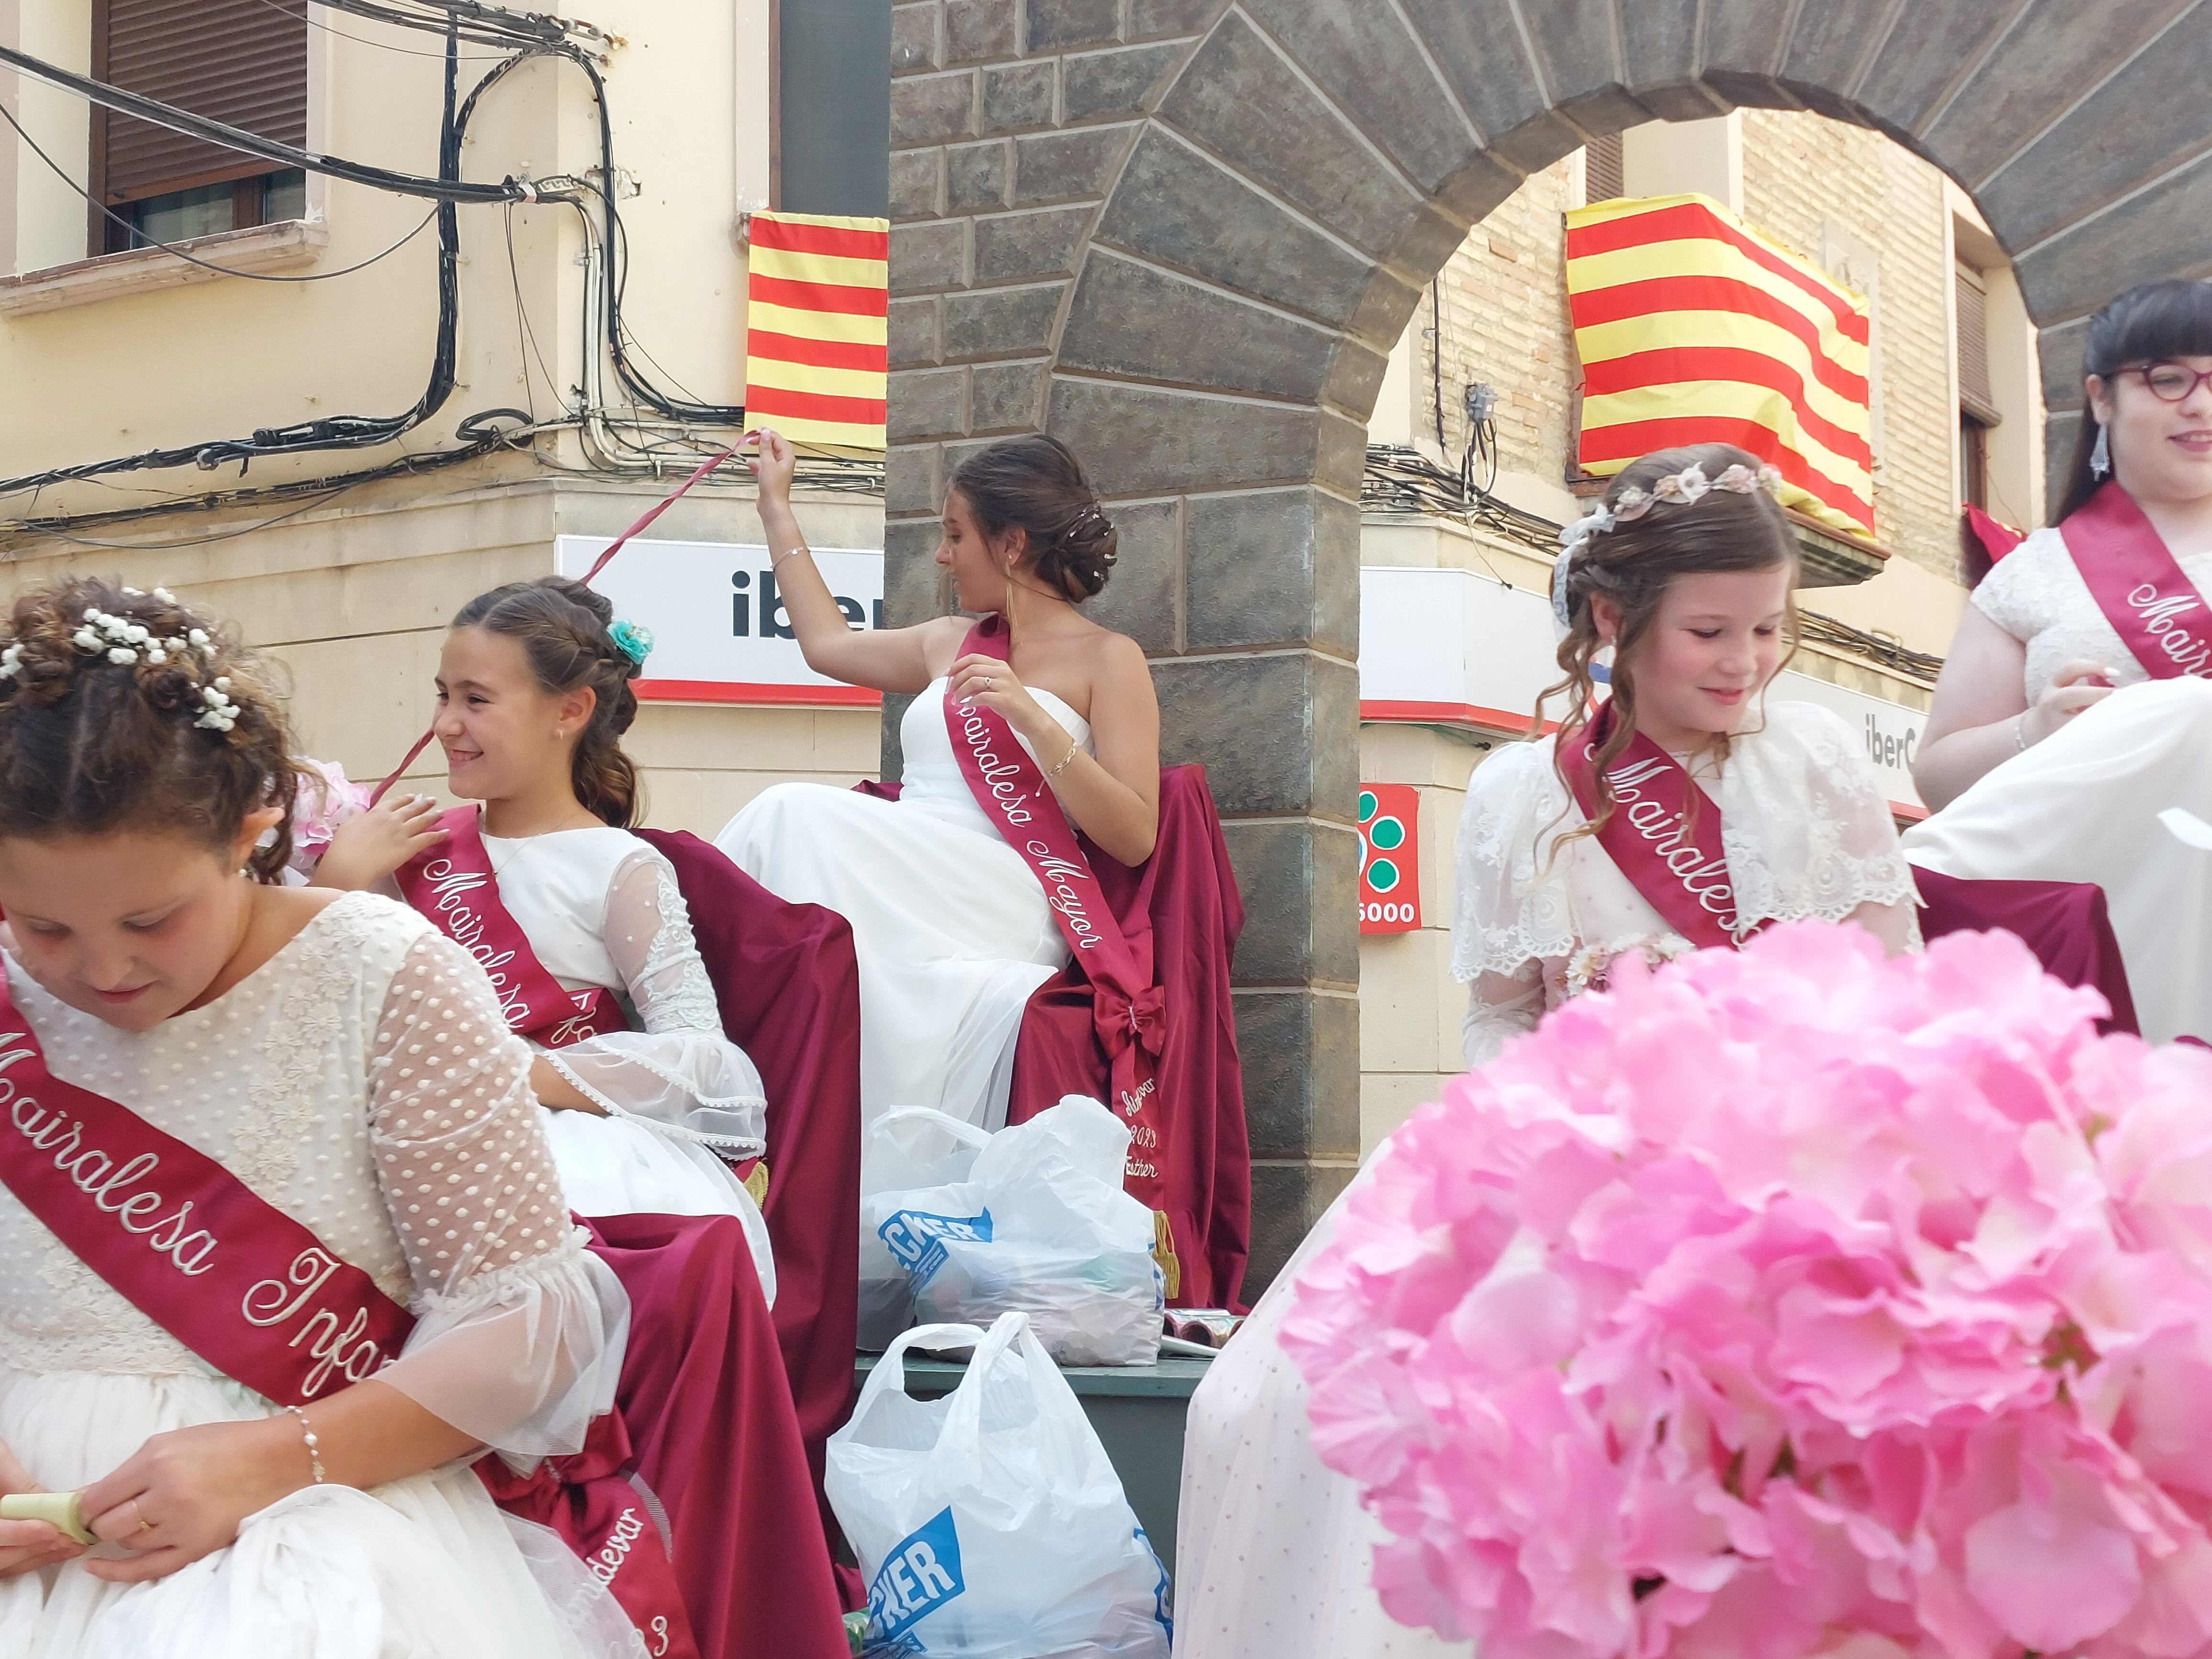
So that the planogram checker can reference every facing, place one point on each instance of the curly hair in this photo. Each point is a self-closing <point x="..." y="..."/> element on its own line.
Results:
<point x="1631" y="566"/>
<point x="1036" y="485"/>
<point x="563" y="627"/>
<point x="124" y="710"/>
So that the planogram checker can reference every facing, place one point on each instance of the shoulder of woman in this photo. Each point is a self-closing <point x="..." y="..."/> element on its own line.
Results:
<point x="1515" y="782"/>
<point x="2032" y="559"/>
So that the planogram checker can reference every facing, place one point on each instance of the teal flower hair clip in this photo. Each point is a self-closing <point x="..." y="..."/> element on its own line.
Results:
<point x="633" y="642"/>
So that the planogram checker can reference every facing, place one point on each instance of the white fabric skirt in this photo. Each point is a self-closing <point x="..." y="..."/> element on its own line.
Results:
<point x="426" y="1568"/>
<point x="951" y="928"/>
<point x="1273" y="1553"/>
<point x="2083" y="805"/>
<point x="625" y="1166"/>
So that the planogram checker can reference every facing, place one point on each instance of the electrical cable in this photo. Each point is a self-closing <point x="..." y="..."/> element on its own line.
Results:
<point x="62" y="174"/>
<point x="314" y="22"/>
<point x="1400" y="479"/>
<point x="250" y="143"/>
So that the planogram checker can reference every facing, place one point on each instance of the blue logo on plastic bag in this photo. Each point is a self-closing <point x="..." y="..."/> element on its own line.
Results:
<point x="916" y="1238"/>
<point x="919" y="1576"/>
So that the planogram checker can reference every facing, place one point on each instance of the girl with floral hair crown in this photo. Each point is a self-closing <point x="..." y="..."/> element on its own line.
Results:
<point x="580" y="922"/>
<point x="1684" y="809"/>
<point x="230" y="1100"/>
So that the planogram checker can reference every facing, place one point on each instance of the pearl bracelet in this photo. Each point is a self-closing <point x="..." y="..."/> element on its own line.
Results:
<point x="314" y="1446"/>
<point x="2019" y="732"/>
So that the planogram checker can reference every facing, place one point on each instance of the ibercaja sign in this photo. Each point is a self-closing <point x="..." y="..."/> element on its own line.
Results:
<point x="1390" y="858"/>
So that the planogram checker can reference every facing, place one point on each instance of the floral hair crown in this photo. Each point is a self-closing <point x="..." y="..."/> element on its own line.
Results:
<point x="1684" y="489"/>
<point x="126" y="644"/>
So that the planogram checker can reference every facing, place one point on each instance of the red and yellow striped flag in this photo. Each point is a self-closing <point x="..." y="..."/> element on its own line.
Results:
<point x="1695" y="328"/>
<point x="817" y="306"/>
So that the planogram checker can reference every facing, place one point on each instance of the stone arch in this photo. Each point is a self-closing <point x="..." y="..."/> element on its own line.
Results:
<point x="1183" y="234"/>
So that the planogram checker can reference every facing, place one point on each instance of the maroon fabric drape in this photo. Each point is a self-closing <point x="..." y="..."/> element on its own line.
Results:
<point x="715" y="1442"/>
<point x="2063" y="922"/>
<point x="1182" y="913"/>
<point x="790" y="995"/>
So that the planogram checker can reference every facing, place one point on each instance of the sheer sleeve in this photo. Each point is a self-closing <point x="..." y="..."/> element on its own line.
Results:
<point x="680" y="1074"/>
<point x="1510" y="902"/>
<point x="521" y="1330"/>
<point x="1500" y="1006"/>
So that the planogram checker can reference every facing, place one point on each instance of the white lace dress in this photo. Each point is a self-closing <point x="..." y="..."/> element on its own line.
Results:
<point x="601" y="908"/>
<point x="2084" y="805"/>
<point x="347" y="1082"/>
<point x="1805" y="826"/>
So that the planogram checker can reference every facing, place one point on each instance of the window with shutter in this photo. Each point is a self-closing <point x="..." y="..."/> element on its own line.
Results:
<point x="1975" y="397"/>
<point x="1601" y="170"/>
<point x="241" y="61"/>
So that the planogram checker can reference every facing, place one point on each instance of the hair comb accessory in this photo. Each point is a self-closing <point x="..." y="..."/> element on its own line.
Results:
<point x="1570" y="542"/>
<point x="633" y="642"/>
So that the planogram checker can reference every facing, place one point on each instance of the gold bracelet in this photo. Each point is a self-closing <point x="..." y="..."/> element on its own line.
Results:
<point x="1068" y="761"/>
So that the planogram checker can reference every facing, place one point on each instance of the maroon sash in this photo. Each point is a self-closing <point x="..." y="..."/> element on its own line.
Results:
<point x="1672" y="857"/>
<point x="2156" y="610"/>
<point x="453" y="886"/>
<point x="260" y="1297"/>
<point x="1129" y="1011"/>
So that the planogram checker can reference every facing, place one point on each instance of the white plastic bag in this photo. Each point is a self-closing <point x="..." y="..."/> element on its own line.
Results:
<point x="989" y="1524"/>
<point x="908" y="1147"/>
<point x="1041" y="1226"/>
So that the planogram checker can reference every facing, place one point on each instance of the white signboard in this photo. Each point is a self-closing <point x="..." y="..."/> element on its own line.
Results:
<point x="720" y="630"/>
<point x="1455" y="648"/>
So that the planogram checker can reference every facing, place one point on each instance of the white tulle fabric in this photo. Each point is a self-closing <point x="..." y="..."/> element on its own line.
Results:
<point x="362" y="1082"/>
<point x="601" y="908"/>
<point x="2036" y="594"/>
<point x="1805" y="826"/>
<point x="951" y="928"/>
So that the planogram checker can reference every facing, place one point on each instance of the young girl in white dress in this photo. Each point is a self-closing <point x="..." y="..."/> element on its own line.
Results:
<point x="1573" y="853"/>
<point x="950" y="924"/>
<point x="533" y="697"/>
<point x="2067" y="726"/>
<point x="334" y="1054"/>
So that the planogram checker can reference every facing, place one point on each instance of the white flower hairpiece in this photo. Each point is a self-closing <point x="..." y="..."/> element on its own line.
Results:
<point x="1685" y="488"/>
<point x="222" y="713"/>
<point x="11" y="661"/>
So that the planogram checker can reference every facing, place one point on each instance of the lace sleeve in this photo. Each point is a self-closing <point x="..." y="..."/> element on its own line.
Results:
<point x="680" y="1074"/>
<point x="1500" y="1006"/>
<point x="521" y="1330"/>
<point x="1511" y="900"/>
<point x="1807" y="827"/>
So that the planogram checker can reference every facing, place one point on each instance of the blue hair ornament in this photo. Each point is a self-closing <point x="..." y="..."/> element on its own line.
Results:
<point x="633" y="642"/>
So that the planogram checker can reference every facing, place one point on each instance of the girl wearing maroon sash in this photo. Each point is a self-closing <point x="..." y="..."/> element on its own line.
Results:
<point x="2071" y="735"/>
<point x="1687" y="809"/>
<point x="1738" y="812"/>
<point x="952" y="924"/>
<point x="308" y="1067"/>
<point x="567" y="909"/>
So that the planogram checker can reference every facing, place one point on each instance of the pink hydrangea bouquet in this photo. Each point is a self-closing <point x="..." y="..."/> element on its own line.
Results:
<point x="1786" y="1303"/>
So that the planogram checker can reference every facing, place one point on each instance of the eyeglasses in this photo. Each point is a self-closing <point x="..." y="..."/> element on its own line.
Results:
<point x="2170" y="381"/>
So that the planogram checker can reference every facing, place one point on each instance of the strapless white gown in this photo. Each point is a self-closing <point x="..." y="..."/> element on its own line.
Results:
<point x="951" y="928"/>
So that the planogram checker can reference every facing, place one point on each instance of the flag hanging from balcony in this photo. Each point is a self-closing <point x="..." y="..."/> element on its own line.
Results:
<point x="818" y="299"/>
<point x="1692" y="328"/>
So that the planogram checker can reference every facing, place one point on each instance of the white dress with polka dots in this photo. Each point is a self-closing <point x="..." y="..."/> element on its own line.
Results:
<point x="601" y="908"/>
<point x="362" y="1082"/>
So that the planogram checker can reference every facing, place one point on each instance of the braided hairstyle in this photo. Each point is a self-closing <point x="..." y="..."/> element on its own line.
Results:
<point x="1632" y="566"/>
<point x="124" y="710"/>
<point x="565" y="630"/>
<point x="1035" y="484"/>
